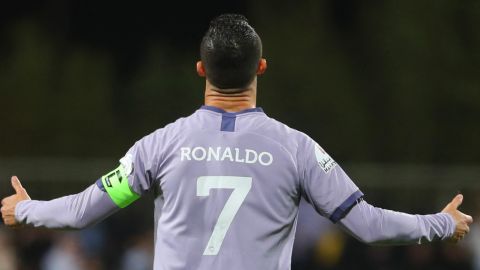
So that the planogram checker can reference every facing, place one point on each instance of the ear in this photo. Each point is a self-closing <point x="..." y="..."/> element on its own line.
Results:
<point x="262" y="66"/>
<point x="200" y="69"/>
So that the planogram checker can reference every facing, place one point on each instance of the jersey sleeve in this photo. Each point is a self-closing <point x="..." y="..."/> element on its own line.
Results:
<point x="324" y="184"/>
<point x="373" y="225"/>
<point x="70" y="212"/>
<point x="136" y="173"/>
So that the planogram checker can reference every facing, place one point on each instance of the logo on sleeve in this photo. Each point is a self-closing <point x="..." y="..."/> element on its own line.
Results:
<point x="324" y="160"/>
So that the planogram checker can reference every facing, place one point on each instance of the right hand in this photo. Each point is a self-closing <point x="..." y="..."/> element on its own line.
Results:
<point x="10" y="203"/>
<point x="462" y="221"/>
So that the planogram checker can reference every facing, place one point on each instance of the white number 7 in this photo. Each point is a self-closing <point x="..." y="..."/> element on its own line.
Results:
<point x="241" y="186"/>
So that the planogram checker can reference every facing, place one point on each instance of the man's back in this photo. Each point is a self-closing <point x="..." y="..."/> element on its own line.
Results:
<point x="227" y="188"/>
<point x="227" y="185"/>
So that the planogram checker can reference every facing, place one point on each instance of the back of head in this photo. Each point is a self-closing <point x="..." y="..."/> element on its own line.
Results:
<point x="230" y="52"/>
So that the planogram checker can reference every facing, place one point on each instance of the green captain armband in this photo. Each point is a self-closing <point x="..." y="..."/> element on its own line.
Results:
<point x="116" y="185"/>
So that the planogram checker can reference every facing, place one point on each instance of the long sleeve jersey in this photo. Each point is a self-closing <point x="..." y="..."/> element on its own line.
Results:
<point x="227" y="188"/>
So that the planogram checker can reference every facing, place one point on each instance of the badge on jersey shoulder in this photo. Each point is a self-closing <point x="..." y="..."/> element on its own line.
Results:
<point x="116" y="183"/>
<point x="324" y="160"/>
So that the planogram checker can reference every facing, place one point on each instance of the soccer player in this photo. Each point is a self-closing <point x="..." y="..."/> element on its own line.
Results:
<point x="228" y="179"/>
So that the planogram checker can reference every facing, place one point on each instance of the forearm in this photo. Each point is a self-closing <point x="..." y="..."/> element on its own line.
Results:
<point x="69" y="212"/>
<point x="374" y="225"/>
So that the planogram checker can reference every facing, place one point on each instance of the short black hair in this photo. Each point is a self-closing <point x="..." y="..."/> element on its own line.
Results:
<point x="230" y="52"/>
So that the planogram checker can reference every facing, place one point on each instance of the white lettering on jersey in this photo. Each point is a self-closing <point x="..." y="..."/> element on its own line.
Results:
<point x="324" y="160"/>
<point x="267" y="161"/>
<point x="250" y="156"/>
<point x="199" y="153"/>
<point x="227" y="153"/>
<point x="237" y="158"/>
<point x="185" y="153"/>
<point x="213" y="154"/>
<point x="238" y="155"/>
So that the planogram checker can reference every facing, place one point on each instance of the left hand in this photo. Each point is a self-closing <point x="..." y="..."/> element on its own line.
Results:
<point x="462" y="221"/>
<point x="10" y="203"/>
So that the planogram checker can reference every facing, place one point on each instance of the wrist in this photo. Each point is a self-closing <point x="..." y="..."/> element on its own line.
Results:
<point x="20" y="216"/>
<point x="450" y="224"/>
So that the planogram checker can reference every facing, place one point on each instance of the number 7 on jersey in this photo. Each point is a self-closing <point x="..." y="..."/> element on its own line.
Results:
<point x="241" y="186"/>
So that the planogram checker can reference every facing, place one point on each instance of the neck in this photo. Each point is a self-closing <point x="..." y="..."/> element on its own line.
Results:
<point x="235" y="102"/>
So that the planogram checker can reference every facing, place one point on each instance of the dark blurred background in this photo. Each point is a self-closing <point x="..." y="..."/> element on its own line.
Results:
<point x="390" y="88"/>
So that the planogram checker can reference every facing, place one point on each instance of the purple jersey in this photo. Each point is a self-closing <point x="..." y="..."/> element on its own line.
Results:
<point x="227" y="189"/>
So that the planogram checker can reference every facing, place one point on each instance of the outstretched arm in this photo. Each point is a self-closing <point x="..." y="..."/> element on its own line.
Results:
<point x="70" y="212"/>
<point x="115" y="190"/>
<point x="334" y="195"/>
<point x="374" y="225"/>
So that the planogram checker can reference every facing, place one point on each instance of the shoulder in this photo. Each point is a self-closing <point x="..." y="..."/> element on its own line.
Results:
<point x="154" y="142"/>
<point x="151" y="148"/>
<point x="299" y="144"/>
<point x="293" y="141"/>
<point x="286" y="134"/>
<point x="168" y="132"/>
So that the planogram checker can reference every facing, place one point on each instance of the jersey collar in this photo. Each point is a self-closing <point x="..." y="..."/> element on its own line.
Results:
<point x="222" y="111"/>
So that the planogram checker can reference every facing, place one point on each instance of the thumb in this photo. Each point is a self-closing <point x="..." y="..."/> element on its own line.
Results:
<point x="456" y="202"/>
<point x="17" y="186"/>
